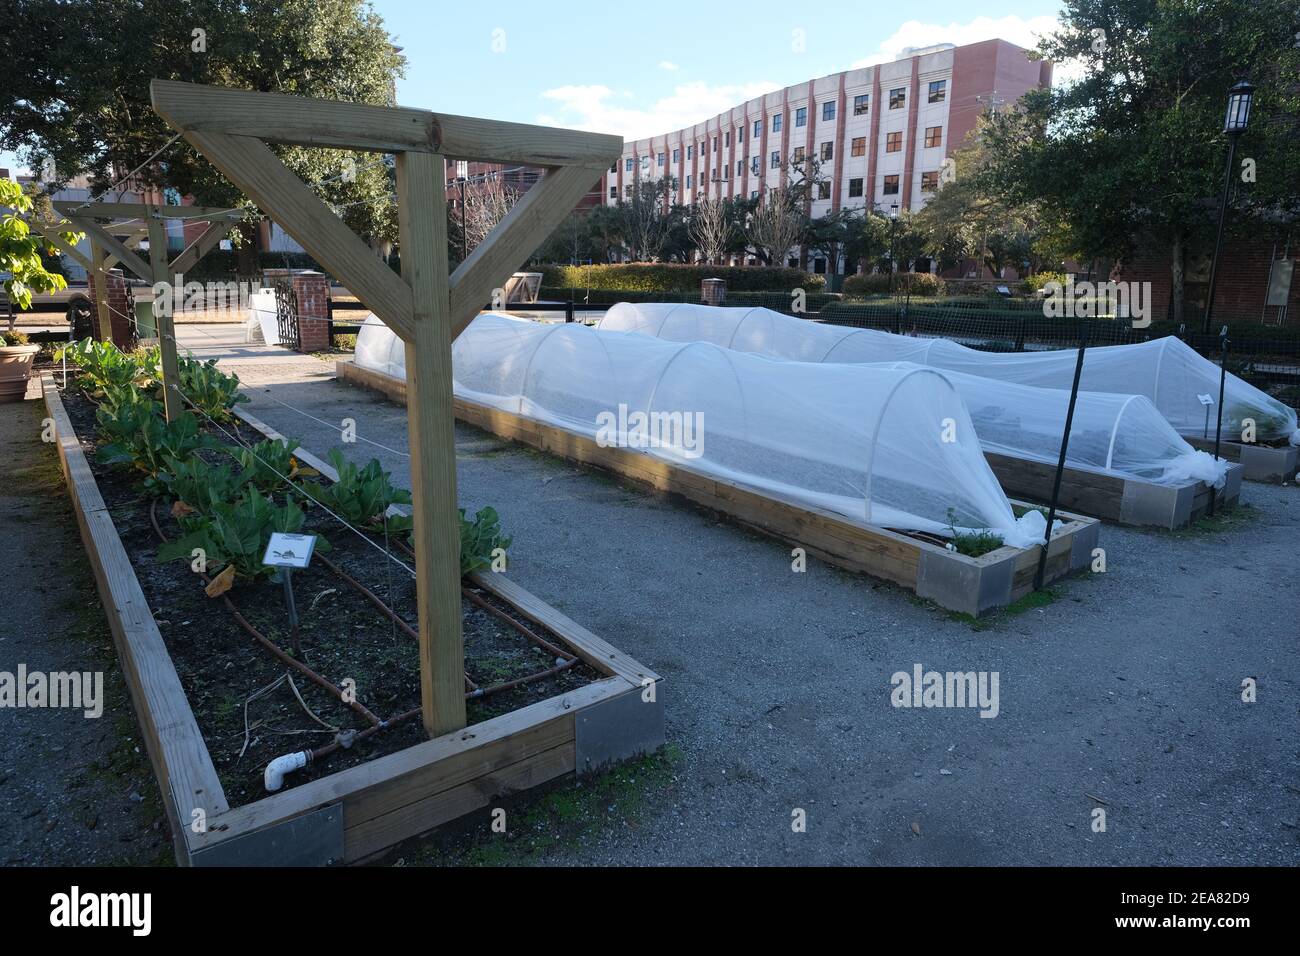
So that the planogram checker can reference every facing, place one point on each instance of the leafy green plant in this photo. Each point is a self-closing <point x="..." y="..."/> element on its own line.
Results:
<point x="479" y="538"/>
<point x="143" y="438"/>
<point x="200" y="485"/>
<point x="13" y="338"/>
<point x="269" y="465"/>
<point x="104" y="366"/>
<point x="237" y="534"/>
<point x="213" y="392"/>
<point x="362" y="495"/>
<point x="972" y="543"/>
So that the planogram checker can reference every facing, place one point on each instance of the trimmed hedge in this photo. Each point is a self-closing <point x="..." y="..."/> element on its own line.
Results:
<point x="922" y="284"/>
<point x="674" y="277"/>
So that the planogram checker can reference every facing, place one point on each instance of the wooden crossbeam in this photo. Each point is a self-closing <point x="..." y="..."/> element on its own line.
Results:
<point x="282" y="118"/>
<point x="250" y="165"/>
<point x="200" y="247"/>
<point x="533" y="218"/>
<point x="113" y="245"/>
<point x="51" y="234"/>
<point x="131" y="210"/>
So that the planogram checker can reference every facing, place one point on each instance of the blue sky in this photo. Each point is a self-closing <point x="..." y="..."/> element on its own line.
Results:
<point x="642" y="69"/>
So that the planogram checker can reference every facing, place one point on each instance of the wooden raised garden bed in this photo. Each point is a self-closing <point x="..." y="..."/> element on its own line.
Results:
<point x="972" y="585"/>
<point x="359" y="812"/>
<point x="1128" y="501"/>
<point x="1272" y="464"/>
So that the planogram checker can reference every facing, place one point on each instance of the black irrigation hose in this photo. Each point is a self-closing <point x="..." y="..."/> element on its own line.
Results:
<point x="270" y="645"/>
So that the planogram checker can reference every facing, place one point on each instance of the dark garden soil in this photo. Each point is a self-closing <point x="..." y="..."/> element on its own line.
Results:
<point x="226" y="673"/>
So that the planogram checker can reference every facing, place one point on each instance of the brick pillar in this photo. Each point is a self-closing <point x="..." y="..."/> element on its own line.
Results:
<point x="312" y="291"/>
<point x="713" y="291"/>
<point x="123" y="322"/>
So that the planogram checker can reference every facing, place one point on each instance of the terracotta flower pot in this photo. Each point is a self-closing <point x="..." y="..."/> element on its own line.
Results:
<point x="15" y="370"/>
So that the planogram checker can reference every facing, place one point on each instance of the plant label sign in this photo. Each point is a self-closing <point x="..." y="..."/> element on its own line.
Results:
<point x="289" y="550"/>
<point x="1206" y="400"/>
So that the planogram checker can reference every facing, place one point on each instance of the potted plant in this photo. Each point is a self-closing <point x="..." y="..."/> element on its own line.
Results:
<point x="15" y="365"/>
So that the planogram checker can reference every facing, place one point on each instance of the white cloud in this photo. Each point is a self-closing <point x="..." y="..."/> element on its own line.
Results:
<point x="591" y="108"/>
<point x="668" y="65"/>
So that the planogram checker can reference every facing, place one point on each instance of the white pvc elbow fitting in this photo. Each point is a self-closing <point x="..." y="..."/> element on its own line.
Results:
<point x="276" y="770"/>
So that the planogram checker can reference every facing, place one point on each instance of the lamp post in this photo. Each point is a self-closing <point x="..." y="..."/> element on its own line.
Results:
<point x="1234" y="124"/>
<point x="893" y="221"/>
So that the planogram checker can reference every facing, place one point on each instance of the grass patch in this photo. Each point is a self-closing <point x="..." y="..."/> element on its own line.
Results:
<point x="1233" y="518"/>
<point x="1029" y="602"/>
<point x="569" y="816"/>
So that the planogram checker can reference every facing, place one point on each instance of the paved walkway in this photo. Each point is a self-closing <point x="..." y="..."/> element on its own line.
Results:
<point x="1125" y="690"/>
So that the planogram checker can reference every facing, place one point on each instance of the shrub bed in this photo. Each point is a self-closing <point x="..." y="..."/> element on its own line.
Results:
<point x="659" y="277"/>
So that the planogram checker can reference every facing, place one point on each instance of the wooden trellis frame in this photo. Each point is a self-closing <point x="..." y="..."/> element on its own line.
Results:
<point x="111" y="243"/>
<point x="425" y="306"/>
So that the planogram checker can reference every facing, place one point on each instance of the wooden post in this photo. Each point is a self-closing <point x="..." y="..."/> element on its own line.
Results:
<point x="422" y="225"/>
<point x="172" y="405"/>
<point x="100" y="275"/>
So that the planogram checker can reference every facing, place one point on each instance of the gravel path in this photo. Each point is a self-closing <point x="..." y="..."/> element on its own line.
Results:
<point x="73" y="790"/>
<point x="1124" y="694"/>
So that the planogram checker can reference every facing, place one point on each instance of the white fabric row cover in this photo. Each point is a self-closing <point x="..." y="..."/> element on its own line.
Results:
<point x="1112" y="433"/>
<point x="1166" y="371"/>
<point x="892" y="448"/>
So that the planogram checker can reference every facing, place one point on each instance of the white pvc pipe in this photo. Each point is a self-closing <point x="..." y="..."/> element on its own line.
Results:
<point x="276" y="770"/>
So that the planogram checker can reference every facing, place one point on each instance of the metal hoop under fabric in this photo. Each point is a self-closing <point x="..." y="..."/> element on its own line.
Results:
<point x="286" y="313"/>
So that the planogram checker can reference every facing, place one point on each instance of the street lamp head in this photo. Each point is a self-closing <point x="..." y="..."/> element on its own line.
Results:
<point x="893" y="210"/>
<point x="1239" y="97"/>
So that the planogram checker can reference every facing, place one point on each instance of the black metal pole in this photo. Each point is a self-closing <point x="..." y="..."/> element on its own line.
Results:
<point x="1218" y="235"/>
<point x="1060" y="464"/>
<point x="464" y="236"/>
<point x="1218" y="428"/>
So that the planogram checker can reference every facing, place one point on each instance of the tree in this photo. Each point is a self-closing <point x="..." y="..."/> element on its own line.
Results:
<point x="20" y="251"/>
<point x="76" y="95"/>
<point x="486" y="204"/>
<point x="711" y="227"/>
<point x="776" y="225"/>
<point x="1133" y="152"/>
<point x="648" y="219"/>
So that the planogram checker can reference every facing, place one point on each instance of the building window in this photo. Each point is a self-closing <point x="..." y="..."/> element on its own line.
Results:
<point x="855" y="188"/>
<point x="828" y="151"/>
<point x="755" y="165"/>
<point x="613" y="192"/>
<point x="858" y="146"/>
<point x="753" y="194"/>
<point x="792" y="263"/>
<point x="824" y="189"/>
<point x="897" y="98"/>
<point x="614" y="167"/>
<point x="891" y="186"/>
<point x="938" y="91"/>
<point x="662" y="159"/>
<point x="726" y="138"/>
<point x="776" y="122"/>
<point x="677" y="156"/>
<point x="776" y="159"/>
<point x="628" y="167"/>
<point x="860" y="103"/>
<point x="798" y="155"/>
<point x="930" y="181"/>
<point x="740" y="134"/>
<point x="690" y="151"/>
<point x="828" y="111"/>
<point x="758" y="128"/>
<point x="819" y="266"/>
<point x="740" y="166"/>
<point x="726" y="171"/>
<point x="893" y="142"/>
<point x="715" y="145"/>
<point x="690" y="181"/>
<point x="933" y="136"/>
<point x="801" y="116"/>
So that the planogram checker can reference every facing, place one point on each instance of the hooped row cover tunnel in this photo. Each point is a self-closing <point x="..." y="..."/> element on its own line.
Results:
<point x="1166" y="371"/>
<point x="893" y="448"/>
<point x="1135" y="401"/>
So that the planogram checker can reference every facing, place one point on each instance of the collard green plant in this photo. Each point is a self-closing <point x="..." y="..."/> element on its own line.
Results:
<point x="201" y="486"/>
<point x="479" y="538"/>
<point x="269" y="465"/>
<point x="104" y="366"/>
<point x="212" y="392"/>
<point x="363" y="495"/>
<point x="154" y="440"/>
<point x="236" y="534"/>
